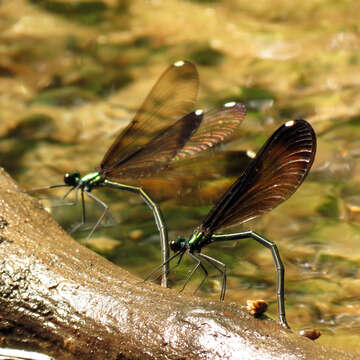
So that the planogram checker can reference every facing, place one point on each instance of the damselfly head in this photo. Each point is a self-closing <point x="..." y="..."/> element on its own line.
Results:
<point x="72" y="179"/>
<point x="178" y="244"/>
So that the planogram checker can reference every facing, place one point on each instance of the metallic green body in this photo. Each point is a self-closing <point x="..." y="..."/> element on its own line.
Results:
<point x="92" y="178"/>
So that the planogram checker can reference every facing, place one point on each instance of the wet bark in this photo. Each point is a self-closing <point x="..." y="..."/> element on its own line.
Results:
<point x="59" y="297"/>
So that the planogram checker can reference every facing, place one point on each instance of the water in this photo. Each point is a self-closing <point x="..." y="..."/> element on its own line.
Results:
<point x="71" y="78"/>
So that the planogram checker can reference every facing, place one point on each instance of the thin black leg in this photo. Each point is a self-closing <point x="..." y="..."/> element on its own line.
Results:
<point x="280" y="292"/>
<point x="46" y="188"/>
<point x="72" y="203"/>
<point x="83" y="215"/>
<point x="160" y="223"/>
<point x="217" y="265"/>
<point x="198" y="264"/>
<point x="102" y="204"/>
<point x="76" y="194"/>
<point x="177" y="263"/>
<point x="181" y="254"/>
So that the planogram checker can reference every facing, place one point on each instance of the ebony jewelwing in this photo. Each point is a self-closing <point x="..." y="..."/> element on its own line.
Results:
<point x="153" y="139"/>
<point x="273" y="176"/>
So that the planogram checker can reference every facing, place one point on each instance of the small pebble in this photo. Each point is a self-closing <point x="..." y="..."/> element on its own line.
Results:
<point x="102" y="243"/>
<point x="136" y="234"/>
<point x="312" y="334"/>
<point x="256" y="307"/>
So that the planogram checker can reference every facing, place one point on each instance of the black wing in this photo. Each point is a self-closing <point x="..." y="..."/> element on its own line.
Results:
<point x="171" y="98"/>
<point x="157" y="154"/>
<point x="195" y="182"/>
<point x="217" y="126"/>
<point x="273" y="176"/>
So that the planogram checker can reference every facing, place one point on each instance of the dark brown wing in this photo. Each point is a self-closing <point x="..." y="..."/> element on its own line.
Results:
<point x="272" y="177"/>
<point x="216" y="126"/>
<point x="171" y="98"/>
<point x="157" y="154"/>
<point x="195" y="182"/>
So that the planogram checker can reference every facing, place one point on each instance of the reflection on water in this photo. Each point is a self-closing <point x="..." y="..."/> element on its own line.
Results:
<point x="71" y="77"/>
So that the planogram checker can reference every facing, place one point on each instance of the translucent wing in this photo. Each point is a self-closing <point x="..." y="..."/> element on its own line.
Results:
<point x="171" y="98"/>
<point x="190" y="182"/>
<point x="216" y="126"/>
<point x="272" y="177"/>
<point x="156" y="155"/>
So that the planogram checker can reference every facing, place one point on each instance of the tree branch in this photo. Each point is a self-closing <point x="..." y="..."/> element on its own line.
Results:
<point x="58" y="297"/>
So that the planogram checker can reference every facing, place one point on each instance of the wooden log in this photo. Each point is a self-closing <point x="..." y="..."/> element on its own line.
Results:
<point x="60" y="298"/>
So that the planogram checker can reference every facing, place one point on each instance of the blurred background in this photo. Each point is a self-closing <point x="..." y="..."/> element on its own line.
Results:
<point x="73" y="73"/>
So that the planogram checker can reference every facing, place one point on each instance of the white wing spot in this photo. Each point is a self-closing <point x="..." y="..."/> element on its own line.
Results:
<point x="251" y="154"/>
<point x="179" y="63"/>
<point x="230" y="104"/>
<point x="199" y="112"/>
<point x="290" y="123"/>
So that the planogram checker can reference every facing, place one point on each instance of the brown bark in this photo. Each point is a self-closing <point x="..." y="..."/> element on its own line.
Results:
<point x="58" y="297"/>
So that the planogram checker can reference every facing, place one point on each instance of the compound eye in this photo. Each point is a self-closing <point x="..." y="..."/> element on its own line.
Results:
<point x="178" y="244"/>
<point x="72" y="179"/>
<point x="174" y="246"/>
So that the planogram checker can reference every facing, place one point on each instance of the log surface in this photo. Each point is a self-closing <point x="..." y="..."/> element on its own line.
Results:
<point x="59" y="297"/>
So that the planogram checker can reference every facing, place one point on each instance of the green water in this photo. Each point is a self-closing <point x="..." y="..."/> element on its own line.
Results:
<point x="72" y="75"/>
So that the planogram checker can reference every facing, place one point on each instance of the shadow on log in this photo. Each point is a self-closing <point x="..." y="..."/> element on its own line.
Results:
<point x="60" y="298"/>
